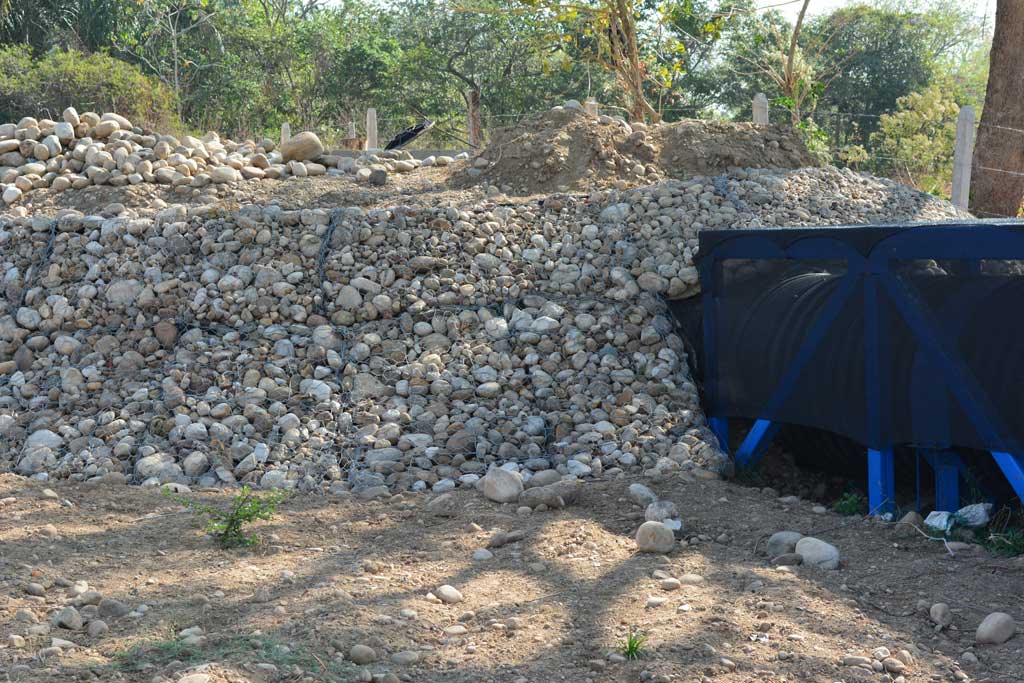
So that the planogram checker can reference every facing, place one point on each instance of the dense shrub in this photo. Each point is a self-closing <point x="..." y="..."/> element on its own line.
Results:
<point x="46" y="85"/>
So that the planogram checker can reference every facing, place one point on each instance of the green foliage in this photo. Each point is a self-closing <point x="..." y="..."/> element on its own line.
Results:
<point x="1005" y="533"/>
<point x="244" y="67"/>
<point x="63" y="78"/>
<point x="227" y="525"/>
<point x="633" y="647"/>
<point x="816" y="140"/>
<point x="915" y="143"/>
<point x="850" y="504"/>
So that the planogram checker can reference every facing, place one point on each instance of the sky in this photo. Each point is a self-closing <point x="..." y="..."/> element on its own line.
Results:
<point x="791" y="8"/>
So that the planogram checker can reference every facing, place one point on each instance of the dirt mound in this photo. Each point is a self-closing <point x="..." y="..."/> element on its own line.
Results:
<point x="566" y="149"/>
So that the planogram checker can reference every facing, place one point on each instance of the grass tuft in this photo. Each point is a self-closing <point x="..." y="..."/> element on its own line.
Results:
<point x="633" y="647"/>
<point x="850" y="504"/>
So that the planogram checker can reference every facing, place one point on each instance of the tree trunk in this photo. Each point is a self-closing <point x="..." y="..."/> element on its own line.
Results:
<point x="473" y="124"/>
<point x="999" y="153"/>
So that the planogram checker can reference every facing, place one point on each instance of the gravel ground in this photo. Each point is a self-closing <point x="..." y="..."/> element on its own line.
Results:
<point x="335" y="573"/>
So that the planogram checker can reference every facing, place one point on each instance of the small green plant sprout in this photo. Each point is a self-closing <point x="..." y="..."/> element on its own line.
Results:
<point x="850" y="503"/>
<point x="226" y="526"/>
<point x="633" y="647"/>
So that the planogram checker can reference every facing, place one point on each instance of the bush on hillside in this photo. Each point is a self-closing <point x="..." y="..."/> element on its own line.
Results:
<point x="46" y="85"/>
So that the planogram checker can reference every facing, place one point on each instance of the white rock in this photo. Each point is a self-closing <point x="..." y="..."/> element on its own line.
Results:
<point x="818" y="553"/>
<point x="502" y="486"/>
<point x="448" y="594"/>
<point x="654" y="537"/>
<point x="995" y="629"/>
<point x="782" y="543"/>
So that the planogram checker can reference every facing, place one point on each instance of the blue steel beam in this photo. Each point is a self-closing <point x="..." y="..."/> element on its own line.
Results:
<point x="1012" y="466"/>
<point x="878" y="366"/>
<point x="961" y="381"/>
<point x="758" y="439"/>
<point x="764" y="430"/>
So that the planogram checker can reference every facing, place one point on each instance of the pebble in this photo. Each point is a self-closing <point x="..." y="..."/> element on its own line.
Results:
<point x="448" y="594"/>
<point x="405" y="657"/>
<point x="817" y="553"/>
<point x="654" y="537"/>
<point x="940" y="614"/>
<point x="113" y="609"/>
<point x="995" y="629"/>
<point x="35" y="589"/>
<point x="70" y="618"/>
<point x="97" y="628"/>
<point x="641" y="495"/>
<point x="782" y="542"/>
<point x="502" y="486"/>
<point x="362" y="654"/>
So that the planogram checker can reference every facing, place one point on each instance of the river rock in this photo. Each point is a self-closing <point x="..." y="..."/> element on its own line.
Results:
<point x="304" y="146"/>
<point x="655" y="537"/>
<point x="995" y="629"/>
<point x="817" y="553"/>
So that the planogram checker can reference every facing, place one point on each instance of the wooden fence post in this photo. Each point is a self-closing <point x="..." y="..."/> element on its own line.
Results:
<point x="371" y="129"/>
<point x="590" y="106"/>
<point x="286" y="133"/>
<point x="963" y="154"/>
<point x="760" y="109"/>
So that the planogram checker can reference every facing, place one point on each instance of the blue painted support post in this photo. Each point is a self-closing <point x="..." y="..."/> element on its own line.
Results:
<point x="752" y="449"/>
<point x="881" y="481"/>
<point x="881" y="462"/>
<point x="947" y="480"/>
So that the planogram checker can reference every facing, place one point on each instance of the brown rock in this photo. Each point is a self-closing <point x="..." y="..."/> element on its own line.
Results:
<point x="166" y="332"/>
<point x="305" y="146"/>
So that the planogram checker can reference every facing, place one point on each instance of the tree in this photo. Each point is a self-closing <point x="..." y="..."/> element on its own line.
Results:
<point x="995" y="189"/>
<point x="915" y="143"/>
<point x="87" y="25"/>
<point x="604" y="32"/>
<point x="170" y="42"/>
<point x="680" y="49"/>
<point x="790" y="61"/>
<point x="881" y="53"/>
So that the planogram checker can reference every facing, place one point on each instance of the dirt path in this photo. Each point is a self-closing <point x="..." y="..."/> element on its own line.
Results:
<point x="336" y="572"/>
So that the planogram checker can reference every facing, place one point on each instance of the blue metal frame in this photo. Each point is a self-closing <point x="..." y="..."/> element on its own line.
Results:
<point x="870" y="274"/>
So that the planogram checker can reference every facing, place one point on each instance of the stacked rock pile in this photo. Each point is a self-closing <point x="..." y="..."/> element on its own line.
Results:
<point x="88" y="149"/>
<point x="354" y="349"/>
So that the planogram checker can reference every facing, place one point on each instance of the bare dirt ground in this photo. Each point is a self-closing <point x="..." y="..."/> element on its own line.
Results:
<point x="336" y="572"/>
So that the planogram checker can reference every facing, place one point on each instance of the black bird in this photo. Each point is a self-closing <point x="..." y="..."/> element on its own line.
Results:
<point x="409" y="134"/>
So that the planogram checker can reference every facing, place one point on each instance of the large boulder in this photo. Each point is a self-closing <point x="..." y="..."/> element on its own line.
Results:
<point x="305" y="146"/>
